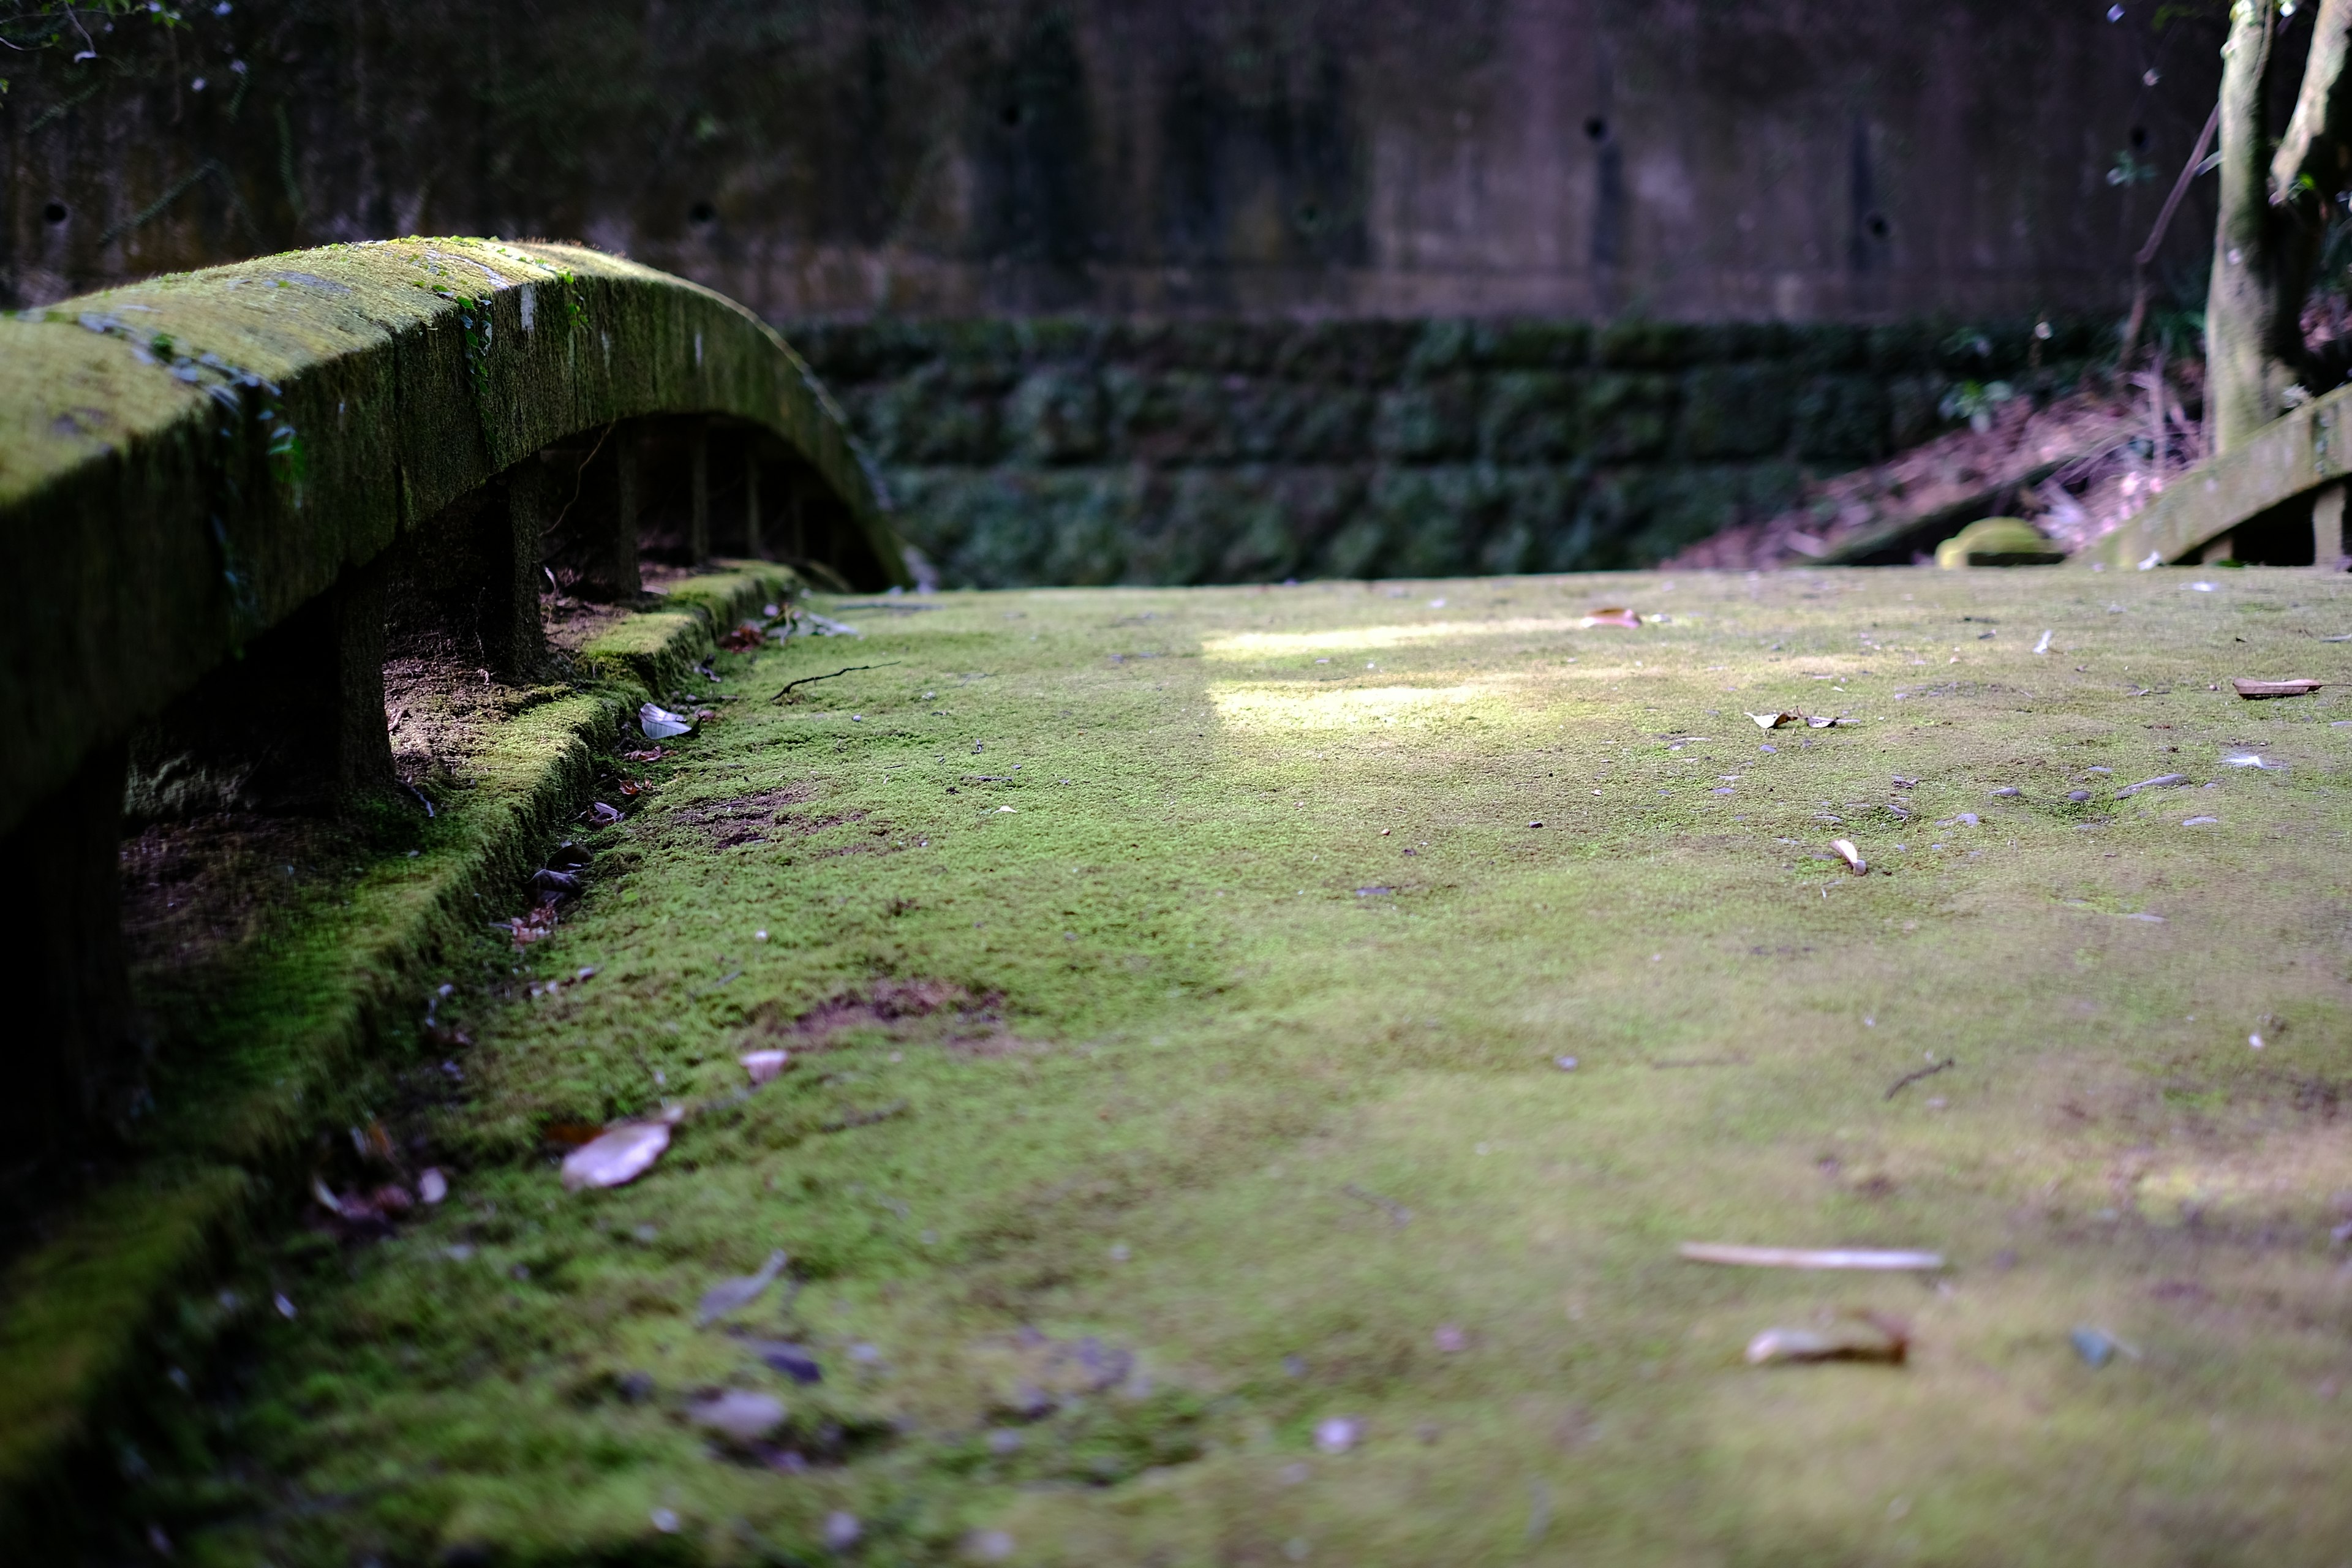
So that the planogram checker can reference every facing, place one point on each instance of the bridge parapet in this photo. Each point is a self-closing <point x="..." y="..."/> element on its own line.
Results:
<point x="208" y="481"/>
<point x="2278" y="500"/>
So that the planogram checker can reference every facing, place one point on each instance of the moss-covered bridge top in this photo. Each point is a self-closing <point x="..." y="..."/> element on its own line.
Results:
<point x="184" y="461"/>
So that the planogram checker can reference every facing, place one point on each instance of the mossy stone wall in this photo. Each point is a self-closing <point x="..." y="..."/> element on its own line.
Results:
<point x="1094" y="451"/>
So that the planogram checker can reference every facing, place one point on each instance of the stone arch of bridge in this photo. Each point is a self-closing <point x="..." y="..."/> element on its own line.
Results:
<point x="222" y="492"/>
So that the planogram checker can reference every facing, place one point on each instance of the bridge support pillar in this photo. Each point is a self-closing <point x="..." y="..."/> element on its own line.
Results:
<point x="754" y="545"/>
<point x="604" y="518"/>
<point x="468" y="582"/>
<point x="697" y="517"/>
<point x="63" y="965"/>
<point x="296" y="724"/>
<point x="510" y="536"/>
<point x="2327" y="551"/>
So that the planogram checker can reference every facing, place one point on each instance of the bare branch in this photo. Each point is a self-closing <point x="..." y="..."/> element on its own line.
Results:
<point x="2315" y="146"/>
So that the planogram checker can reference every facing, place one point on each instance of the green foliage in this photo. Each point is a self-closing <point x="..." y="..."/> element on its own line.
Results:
<point x="1977" y="402"/>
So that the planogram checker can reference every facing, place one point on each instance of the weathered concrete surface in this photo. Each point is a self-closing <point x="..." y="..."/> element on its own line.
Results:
<point x="2281" y="464"/>
<point x="185" y="462"/>
<point x="1775" y="159"/>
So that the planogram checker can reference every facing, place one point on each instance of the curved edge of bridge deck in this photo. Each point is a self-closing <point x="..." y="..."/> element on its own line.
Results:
<point x="187" y="461"/>
<point x="2276" y="500"/>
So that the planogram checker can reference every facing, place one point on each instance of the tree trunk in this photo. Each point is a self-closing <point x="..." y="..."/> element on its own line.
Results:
<point x="2273" y="216"/>
<point x="2245" y="384"/>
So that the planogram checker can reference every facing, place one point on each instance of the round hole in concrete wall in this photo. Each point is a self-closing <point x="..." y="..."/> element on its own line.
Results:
<point x="56" y="212"/>
<point x="1597" y="129"/>
<point x="1011" y="114"/>
<point x="2139" y="136"/>
<point x="702" y="212"/>
<point x="1877" y="224"/>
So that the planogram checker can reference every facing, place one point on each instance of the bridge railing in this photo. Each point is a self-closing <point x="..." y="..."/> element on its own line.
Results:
<point x="2277" y="500"/>
<point x="209" y="481"/>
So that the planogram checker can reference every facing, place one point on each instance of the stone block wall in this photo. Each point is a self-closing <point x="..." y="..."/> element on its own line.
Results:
<point x="1093" y="451"/>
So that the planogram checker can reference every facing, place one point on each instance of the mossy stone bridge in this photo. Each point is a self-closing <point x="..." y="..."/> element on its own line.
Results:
<point x="225" y="483"/>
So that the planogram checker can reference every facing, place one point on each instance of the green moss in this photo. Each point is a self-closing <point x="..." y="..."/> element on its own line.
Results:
<point x="300" y="1034"/>
<point x="1242" y="1030"/>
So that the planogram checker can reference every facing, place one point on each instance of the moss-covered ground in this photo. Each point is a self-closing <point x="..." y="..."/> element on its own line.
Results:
<point x="1176" y="983"/>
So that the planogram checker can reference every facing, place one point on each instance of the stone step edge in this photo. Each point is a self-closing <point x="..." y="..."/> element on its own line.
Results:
<point x="79" y="1312"/>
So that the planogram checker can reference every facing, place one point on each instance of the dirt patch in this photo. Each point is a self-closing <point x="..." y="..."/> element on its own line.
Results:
<point x="197" y="888"/>
<point x="935" y="1012"/>
<point x="745" y="819"/>
<point x="441" y="709"/>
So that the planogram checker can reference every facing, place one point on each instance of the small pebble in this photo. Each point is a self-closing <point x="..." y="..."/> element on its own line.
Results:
<point x="1119" y="1253"/>
<point x="432" y="1185"/>
<point x="2008" y="790"/>
<point x="1337" y="1435"/>
<point x="665" y="1521"/>
<point x="1449" y="1337"/>
<point x="991" y="1546"/>
<point x="1291" y="1474"/>
<point x="842" y="1531"/>
<point x="2078" y="796"/>
<point x="1565" y="1063"/>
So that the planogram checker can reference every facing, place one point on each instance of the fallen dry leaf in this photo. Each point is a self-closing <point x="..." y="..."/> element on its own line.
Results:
<point x="2256" y="690"/>
<point x="1781" y="720"/>
<point x="1875" y="1337"/>
<point x="660" y="724"/>
<point x="536" y="926"/>
<point x="1849" y="855"/>
<point x="619" y="1154"/>
<point x="1612" y="616"/>
<point x="652" y="754"/>
<point x="732" y="1295"/>
<point x="763" y="1066"/>
<point x="1809" y="1258"/>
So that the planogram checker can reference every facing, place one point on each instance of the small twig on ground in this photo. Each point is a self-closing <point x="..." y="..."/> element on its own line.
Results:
<point x="804" y="679"/>
<point x="1908" y="1078"/>
<point x="1870" y="1260"/>
<point x="1393" y="1209"/>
